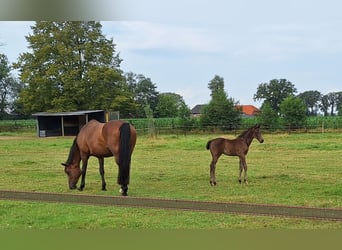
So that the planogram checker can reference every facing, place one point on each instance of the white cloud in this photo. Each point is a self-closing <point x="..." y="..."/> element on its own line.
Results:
<point x="283" y="42"/>
<point x="12" y="38"/>
<point x="141" y="35"/>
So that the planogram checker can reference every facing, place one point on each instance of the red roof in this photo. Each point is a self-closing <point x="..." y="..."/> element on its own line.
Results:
<point x="248" y="109"/>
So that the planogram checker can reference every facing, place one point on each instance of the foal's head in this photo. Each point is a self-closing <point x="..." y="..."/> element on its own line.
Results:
<point x="72" y="165"/>
<point x="257" y="134"/>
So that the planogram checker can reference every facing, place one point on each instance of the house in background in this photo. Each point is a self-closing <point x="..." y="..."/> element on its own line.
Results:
<point x="197" y="110"/>
<point x="246" y="110"/>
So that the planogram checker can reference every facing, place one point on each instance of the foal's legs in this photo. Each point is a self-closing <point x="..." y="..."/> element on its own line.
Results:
<point x="102" y="172"/>
<point x="243" y="167"/>
<point x="240" y="169"/>
<point x="245" y="177"/>
<point x="212" y="170"/>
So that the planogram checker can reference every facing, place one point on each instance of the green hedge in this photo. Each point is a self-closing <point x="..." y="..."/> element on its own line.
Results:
<point x="17" y="125"/>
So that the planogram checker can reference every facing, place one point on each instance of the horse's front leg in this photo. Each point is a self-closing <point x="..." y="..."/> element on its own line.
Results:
<point x="102" y="172"/>
<point x="243" y="167"/>
<point x="84" y="171"/>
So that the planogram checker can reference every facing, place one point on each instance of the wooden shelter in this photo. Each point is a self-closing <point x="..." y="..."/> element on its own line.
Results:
<point x="65" y="123"/>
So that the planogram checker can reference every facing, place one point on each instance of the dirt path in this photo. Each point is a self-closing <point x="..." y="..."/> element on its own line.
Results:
<point x="235" y="208"/>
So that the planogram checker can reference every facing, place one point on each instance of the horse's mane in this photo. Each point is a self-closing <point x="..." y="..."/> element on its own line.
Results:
<point x="244" y="133"/>
<point x="73" y="150"/>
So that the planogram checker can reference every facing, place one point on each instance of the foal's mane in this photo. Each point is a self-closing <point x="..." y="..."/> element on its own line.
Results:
<point x="244" y="133"/>
<point x="73" y="150"/>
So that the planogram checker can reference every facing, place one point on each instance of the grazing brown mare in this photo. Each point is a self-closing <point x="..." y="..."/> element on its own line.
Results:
<point x="114" y="138"/>
<point x="236" y="147"/>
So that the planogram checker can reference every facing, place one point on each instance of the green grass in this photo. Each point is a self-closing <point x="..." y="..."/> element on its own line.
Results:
<point x="295" y="169"/>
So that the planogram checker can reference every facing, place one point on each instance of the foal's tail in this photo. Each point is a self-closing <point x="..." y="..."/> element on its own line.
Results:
<point x="208" y="144"/>
<point x="124" y="154"/>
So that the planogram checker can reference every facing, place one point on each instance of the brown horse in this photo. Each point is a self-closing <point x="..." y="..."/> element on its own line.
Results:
<point x="114" y="138"/>
<point x="236" y="147"/>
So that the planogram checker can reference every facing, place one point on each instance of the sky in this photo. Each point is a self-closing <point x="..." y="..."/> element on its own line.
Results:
<point x="182" y="45"/>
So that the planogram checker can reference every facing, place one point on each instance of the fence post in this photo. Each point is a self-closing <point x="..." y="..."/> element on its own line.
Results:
<point x="322" y="126"/>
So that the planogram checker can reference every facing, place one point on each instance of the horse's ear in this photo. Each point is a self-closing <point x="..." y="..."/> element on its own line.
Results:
<point x="257" y="126"/>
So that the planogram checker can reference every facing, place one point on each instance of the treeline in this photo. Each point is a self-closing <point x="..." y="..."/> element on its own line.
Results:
<point x="73" y="66"/>
<point x="327" y="104"/>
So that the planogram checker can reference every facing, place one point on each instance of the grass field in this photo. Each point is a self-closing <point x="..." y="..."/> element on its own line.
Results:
<point x="289" y="169"/>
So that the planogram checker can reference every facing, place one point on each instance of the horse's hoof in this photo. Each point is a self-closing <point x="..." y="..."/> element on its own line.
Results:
<point x="213" y="183"/>
<point x="123" y="191"/>
<point x="240" y="181"/>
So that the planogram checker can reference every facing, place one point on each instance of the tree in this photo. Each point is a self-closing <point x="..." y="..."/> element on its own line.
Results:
<point x="311" y="101"/>
<point x="324" y="104"/>
<point x="170" y="105"/>
<point x="268" y="117"/>
<point x="293" y="112"/>
<point x="71" y="66"/>
<point x="275" y="92"/>
<point x="4" y="84"/>
<point x="216" y="84"/>
<point x="333" y="101"/>
<point x="339" y="103"/>
<point x="221" y="110"/>
<point x="144" y="92"/>
<point x="9" y="88"/>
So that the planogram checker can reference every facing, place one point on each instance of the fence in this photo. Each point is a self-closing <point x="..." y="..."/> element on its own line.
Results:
<point x="177" y="125"/>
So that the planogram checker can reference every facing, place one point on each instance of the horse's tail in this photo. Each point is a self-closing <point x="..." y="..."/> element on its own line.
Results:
<point x="208" y="144"/>
<point x="124" y="154"/>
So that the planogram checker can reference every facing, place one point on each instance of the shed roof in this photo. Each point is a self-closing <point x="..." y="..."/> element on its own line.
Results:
<point x="198" y="108"/>
<point x="80" y="112"/>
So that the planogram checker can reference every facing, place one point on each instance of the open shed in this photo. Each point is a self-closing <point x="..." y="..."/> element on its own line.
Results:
<point x="65" y="123"/>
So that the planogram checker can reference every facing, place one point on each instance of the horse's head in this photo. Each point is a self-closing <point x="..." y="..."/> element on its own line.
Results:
<point x="257" y="134"/>
<point x="73" y="172"/>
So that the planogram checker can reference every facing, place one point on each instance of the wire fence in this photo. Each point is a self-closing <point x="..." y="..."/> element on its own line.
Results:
<point x="179" y="126"/>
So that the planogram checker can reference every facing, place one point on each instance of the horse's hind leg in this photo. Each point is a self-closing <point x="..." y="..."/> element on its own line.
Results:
<point x="245" y="176"/>
<point x="240" y="169"/>
<point x="243" y="167"/>
<point x="212" y="171"/>
<point x="123" y="188"/>
<point x="102" y="172"/>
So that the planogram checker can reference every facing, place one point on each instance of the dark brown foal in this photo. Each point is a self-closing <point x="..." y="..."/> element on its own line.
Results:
<point x="236" y="147"/>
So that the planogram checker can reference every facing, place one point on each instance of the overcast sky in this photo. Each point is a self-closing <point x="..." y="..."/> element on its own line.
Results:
<point x="182" y="45"/>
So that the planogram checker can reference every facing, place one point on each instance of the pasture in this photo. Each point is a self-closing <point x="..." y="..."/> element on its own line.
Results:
<point x="289" y="169"/>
